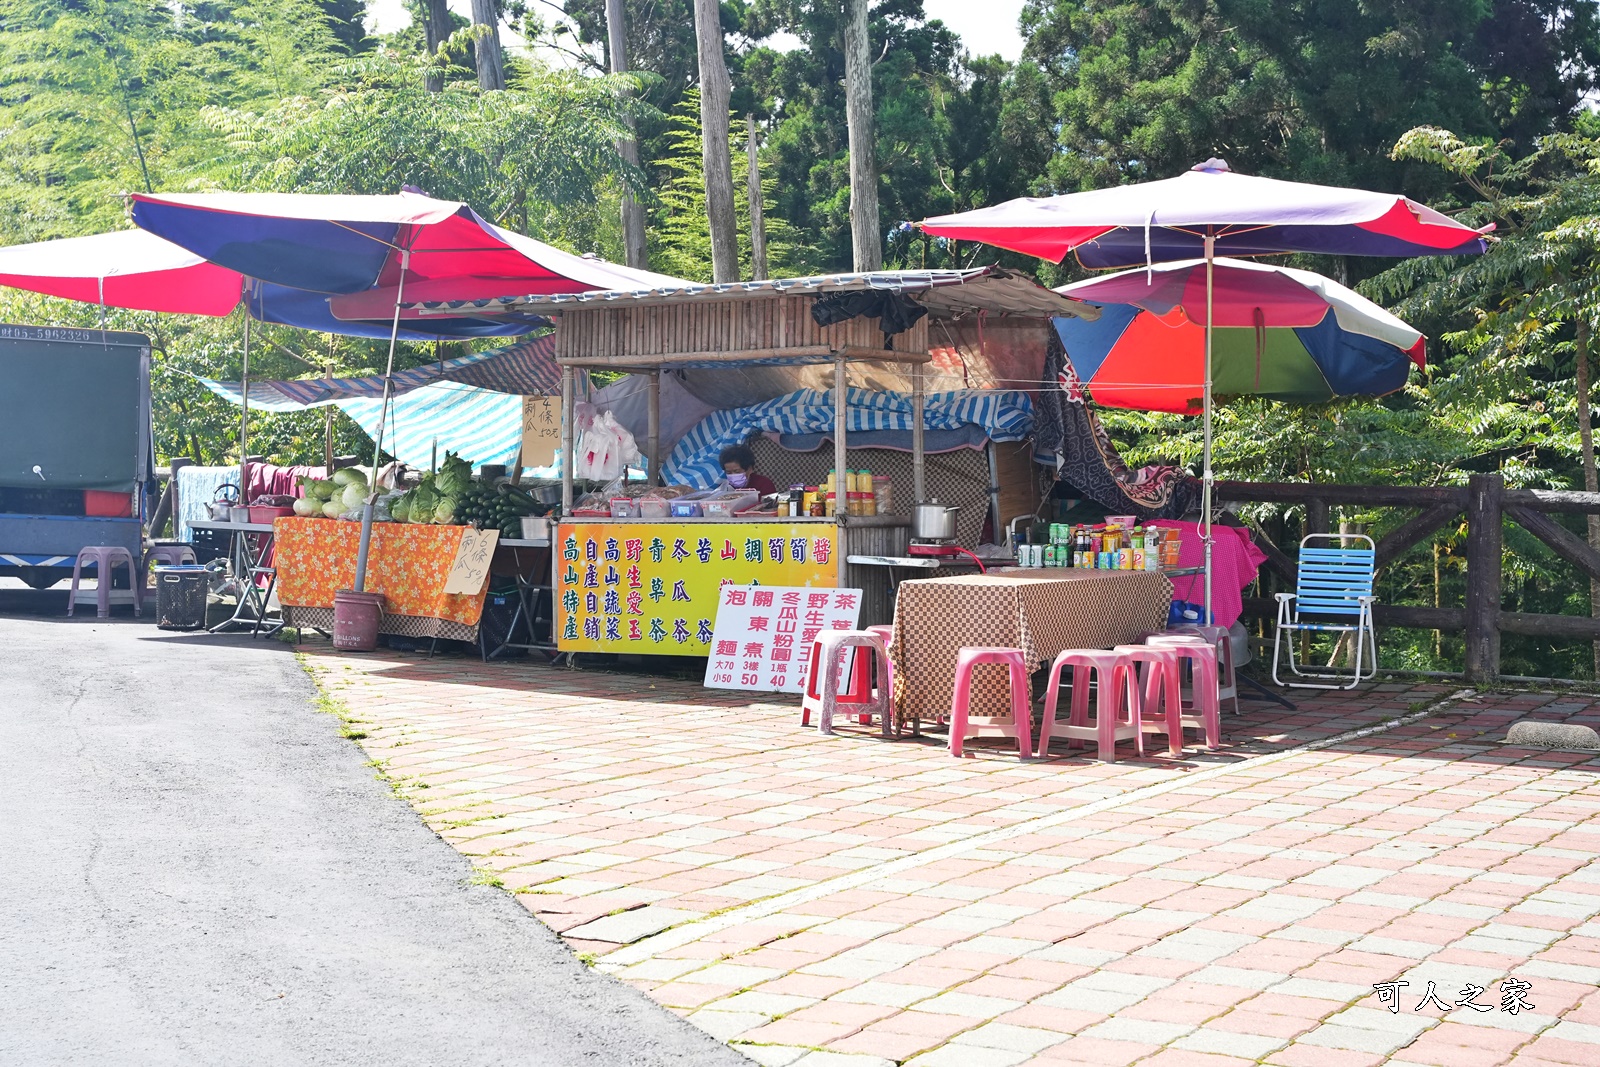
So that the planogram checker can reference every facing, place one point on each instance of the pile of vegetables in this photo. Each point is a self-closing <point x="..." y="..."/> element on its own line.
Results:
<point x="346" y="491"/>
<point x="449" y="497"/>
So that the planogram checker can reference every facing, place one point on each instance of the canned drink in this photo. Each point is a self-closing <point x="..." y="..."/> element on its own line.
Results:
<point x="1139" y="558"/>
<point x="1050" y="555"/>
<point x="1085" y="561"/>
<point x="1124" y="559"/>
<point x="1038" y="556"/>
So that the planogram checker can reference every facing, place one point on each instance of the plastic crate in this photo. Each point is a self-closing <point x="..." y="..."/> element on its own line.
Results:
<point x="181" y="597"/>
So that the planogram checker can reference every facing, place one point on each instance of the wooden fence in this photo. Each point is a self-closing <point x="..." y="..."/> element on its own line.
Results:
<point x="1484" y="501"/>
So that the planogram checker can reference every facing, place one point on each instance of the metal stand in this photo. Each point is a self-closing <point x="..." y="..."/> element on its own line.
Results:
<point x="246" y="567"/>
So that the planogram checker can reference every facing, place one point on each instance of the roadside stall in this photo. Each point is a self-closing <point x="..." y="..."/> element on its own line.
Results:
<point x="640" y="573"/>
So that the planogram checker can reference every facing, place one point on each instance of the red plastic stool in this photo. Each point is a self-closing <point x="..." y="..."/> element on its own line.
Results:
<point x="103" y="558"/>
<point x="822" y="693"/>
<point x="1117" y="704"/>
<point x="1205" y="710"/>
<point x="1021" y="696"/>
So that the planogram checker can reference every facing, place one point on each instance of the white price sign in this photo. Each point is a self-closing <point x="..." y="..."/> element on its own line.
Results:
<point x="763" y="634"/>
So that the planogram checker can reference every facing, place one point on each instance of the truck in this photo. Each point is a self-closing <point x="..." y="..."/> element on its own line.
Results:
<point x="76" y="449"/>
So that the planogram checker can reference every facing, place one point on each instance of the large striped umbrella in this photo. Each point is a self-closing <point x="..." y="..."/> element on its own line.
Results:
<point x="1211" y="210"/>
<point x="1281" y="333"/>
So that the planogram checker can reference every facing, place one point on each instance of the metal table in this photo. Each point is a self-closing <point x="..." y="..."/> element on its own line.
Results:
<point x="251" y="543"/>
<point x="531" y="593"/>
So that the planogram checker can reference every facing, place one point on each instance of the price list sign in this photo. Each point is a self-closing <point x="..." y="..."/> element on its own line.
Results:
<point x="653" y="588"/>
<point x="763" y="635"/>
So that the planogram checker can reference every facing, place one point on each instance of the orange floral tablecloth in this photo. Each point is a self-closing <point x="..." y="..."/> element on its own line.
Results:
<point x="408" y="563"/>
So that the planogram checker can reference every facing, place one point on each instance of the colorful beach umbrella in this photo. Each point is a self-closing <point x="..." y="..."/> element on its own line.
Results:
<point x="1244" y="215"/>
<point x="371" y="255"/>
<point x="1281" y="333"/>
<point x="1210" y="211"/>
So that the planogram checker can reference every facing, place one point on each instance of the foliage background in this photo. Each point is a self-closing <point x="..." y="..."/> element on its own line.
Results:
<point x="1481" y="107"/>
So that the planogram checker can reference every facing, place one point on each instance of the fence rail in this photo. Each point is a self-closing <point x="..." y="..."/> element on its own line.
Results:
<point x="1485" y="502"/>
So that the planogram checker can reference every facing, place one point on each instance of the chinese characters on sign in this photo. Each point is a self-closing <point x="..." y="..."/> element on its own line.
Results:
<point x="763" y="634"/>
<point x="1513" y="997"/>
<point x="651" y="588"/>
<point x="470" y="568"/>
<point x="541" y="430"/>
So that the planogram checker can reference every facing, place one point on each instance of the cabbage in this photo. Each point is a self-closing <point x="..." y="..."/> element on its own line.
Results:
<point x="333" y="509"/>
<point x="307" y="508"/>
<point x="444" y="513"/>
<point x="349" y="476"/>
<point x="421" y="510"/>
<point x="455" y="476"/>
<point x="400" y="510"/>
<point x="354" y="495"/>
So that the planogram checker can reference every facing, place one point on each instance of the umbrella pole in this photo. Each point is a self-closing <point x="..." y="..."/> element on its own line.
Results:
<point x="244" y="412"/>
<point x="1207" y="478"/>
<point x="383" y="417"/>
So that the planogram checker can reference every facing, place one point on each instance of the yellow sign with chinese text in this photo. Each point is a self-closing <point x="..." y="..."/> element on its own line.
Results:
<point x="652" y="588"/>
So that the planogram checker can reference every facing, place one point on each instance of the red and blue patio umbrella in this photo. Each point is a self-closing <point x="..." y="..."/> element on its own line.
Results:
<point x="1207" y="211"/>
<point x="370" y="255"/>
<point x="1281" y="333"/>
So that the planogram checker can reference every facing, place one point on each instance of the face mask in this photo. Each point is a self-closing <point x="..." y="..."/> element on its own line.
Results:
<point x="739" y="481"/>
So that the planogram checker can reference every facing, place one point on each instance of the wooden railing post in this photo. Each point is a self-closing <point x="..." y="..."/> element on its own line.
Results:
<point x="1484" y="551"/>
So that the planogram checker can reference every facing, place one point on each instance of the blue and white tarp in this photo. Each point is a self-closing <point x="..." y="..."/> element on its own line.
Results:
<point x="528" y="368"/>
<point x="1004" y="415"/>
<point x="479" y="425"/>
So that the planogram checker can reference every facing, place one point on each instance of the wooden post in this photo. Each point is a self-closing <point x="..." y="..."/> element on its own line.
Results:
<point x="168" y="505"/>
<point x="1483" y="577"/>
<point x="919" y="454"/>
<point x="841" y="499"/>
<point x="653" y="429"/>
<point x="568" y="387"/>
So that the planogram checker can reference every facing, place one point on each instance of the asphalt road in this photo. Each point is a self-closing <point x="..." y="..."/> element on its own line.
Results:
<point x="195" y="868"/>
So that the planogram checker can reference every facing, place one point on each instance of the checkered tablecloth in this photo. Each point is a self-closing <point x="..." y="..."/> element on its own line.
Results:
<point x="1040" y="613"/>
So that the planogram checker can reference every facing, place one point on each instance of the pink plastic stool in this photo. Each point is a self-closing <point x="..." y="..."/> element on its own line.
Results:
<point x="1021" y="695"/>
<point x="822" y="693"/>
<point x="1117" y="704"/>
<point x="1156" y="668"/>
<point x="885" y="679"/>
<point x="1205" y="712"/>
<point x="103" y="558"/>
<point x="1227" y="683"/>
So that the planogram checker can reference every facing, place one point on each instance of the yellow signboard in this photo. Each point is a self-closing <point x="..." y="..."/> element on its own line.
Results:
<point x="652" y="588"/>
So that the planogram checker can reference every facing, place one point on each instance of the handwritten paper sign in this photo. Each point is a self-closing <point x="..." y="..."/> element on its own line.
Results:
<point x="541" y="430"/>
<point x="471" y="566"/>
<point x="763" y="634"/>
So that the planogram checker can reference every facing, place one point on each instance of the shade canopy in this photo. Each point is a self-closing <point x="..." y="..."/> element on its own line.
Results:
<point x="352" y="247"/>
<point x="123" y="269"/>
<point x="1166" y="220"/>
<point x="524" y="369"/>
<point x="139" y="271"/>
<point x="1281" y="333"/>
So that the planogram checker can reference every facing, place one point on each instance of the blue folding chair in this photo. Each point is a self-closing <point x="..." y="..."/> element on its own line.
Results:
<point x="1333" y="594"/>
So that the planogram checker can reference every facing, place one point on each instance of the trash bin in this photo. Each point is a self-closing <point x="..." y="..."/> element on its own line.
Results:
<point x="181" y="597"/>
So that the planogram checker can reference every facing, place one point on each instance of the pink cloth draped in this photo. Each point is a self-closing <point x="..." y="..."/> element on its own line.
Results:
<point x="1234" y="562"/>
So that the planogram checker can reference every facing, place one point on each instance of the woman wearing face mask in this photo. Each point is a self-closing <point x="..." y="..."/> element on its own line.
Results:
<point x="739" y="464"/>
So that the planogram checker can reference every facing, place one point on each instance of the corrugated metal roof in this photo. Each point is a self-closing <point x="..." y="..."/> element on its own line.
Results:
<point x="947" y="294"/>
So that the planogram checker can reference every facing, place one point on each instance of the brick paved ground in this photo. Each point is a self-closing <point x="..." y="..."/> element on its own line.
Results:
<point x="853" y="902"/>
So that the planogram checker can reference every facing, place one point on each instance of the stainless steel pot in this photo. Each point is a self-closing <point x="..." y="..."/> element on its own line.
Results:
<point x="933" y="521"/>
